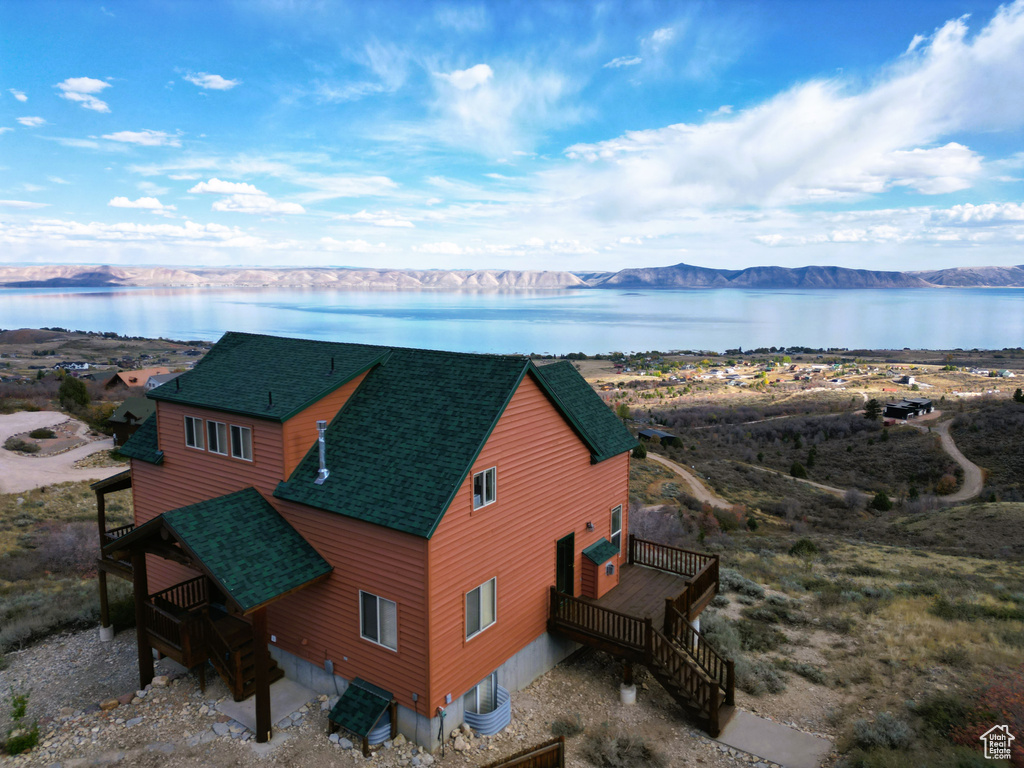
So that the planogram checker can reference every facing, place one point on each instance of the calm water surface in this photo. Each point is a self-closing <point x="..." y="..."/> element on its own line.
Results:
<point x="543" y="321"/>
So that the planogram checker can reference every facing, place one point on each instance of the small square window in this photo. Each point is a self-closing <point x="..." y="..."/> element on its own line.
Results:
<point x="378" y="620"/>
<point x="485" y="487"/>
<point x="217" y="437"/>
<point x="241" y="442"/>
<point x="481" y="608"/>
<point x="194" y="432"/>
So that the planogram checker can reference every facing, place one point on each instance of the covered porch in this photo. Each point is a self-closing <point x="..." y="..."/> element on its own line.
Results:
<point x="244" y="556"/>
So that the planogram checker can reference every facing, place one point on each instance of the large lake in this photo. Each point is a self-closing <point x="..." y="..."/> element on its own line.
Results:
<point x="588" y="321"/>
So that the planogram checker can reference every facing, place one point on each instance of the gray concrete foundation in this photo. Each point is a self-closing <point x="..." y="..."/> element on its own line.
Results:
<point x="106" y="634"/>
<point x="423" y="728"/>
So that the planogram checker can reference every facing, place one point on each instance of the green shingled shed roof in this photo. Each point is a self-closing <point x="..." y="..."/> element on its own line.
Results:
<point x="269" y="377"/>
<point x="252" y="552"/>
<point x="601" y="551"/>
<point x="142" y="445"/>
<point x="360" y="707"/>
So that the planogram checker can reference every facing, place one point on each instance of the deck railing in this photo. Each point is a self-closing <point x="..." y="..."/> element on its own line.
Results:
<point x="186" y="595"/>
<point x="618" y="628"/>
<point x="664" y="658"/>
<point x="116" y="533"/>
<point x="550" y="754"/>
<point x="715" y="666"/>
<point x="682" y="562"/>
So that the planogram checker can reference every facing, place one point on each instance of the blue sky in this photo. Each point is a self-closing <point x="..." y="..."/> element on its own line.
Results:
<point x="529" y="135"/>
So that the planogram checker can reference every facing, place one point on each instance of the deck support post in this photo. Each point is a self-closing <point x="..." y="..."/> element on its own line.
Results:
<point x="261" y="662"/>
<point x="631" y="558"/>
<point x="393" y="714"/>
<point x="714" y="707"/>
<point x="106" y="631"/>
<point x="730" y="683"/>
<point x="669" y="626"/>
<point x="627" y="673"/>
<point x="141" y="588"/>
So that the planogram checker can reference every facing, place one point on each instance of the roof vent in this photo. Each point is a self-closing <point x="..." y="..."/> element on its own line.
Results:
<point x="324" y="473"/>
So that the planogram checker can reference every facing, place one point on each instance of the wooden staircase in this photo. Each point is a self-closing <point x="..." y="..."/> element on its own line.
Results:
<point x="230" y="648"/>
<point x="184" y="625"/>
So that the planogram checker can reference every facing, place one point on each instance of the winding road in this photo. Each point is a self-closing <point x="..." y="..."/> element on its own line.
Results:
<point x="696" y="488"/>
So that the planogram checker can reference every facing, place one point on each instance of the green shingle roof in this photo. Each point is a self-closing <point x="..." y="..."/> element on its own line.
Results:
<point x="605" y="433"/>
<point x="138" y="408"/>
<point x="142" y="445"/>
<point x="252" y="552"/>
<point x="269" y="377"/>
<point x="402" y="445"/>
<point x="601" y="551"/>
<point x="360" y="707"/>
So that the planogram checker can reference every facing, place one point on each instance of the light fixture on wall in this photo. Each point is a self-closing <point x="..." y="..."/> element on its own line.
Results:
<point x="590" y="526"/>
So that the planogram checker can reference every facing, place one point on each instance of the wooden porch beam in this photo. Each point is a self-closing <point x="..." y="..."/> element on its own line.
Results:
<point x="141" y="584"/>
<point x="261" y="660"/>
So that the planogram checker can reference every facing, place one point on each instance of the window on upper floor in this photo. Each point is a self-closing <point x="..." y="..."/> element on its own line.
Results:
<point x="241" y="442"/>
<point x="481" y="608"/>
<point x="194" y="432"/>
<point x="378" y="620"/>
<point x="485" y="487"/>
<point x="217" y="437"/>
<point x="617" y="527"/>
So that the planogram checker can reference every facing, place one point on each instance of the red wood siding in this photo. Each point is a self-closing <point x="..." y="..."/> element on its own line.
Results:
<point x="546" y="489"/>
<point x="322" y="621"/>
<point x="299" y="432"/>
<point x="596" y="581"/>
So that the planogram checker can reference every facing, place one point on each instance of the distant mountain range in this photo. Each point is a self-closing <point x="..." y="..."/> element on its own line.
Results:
<point x="678" y="276"/>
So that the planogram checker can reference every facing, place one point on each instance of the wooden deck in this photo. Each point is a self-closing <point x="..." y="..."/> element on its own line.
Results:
<point x="641" y="592"/>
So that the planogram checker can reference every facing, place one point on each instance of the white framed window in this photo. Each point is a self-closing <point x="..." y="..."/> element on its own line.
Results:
<point x="194" y="432"/>
<point x="481" y="608"/>
<point x="217" y="437"/>
<point x="617" y="527"/>
<point x="378" y="620"/>
<point x="485" y="487"/>
<point x="241" y="442"/>
<point x="483" y="697"/>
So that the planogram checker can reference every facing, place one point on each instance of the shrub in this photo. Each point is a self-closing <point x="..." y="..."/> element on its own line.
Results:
<point x="881" y="502"/>
<point x="42" y="434"/>
<point x="17" y="444"/>
<point x="946" y="485"/>
<point x="734" y="581"/>
<point x="758" y="636"/>
<point x="962" y="611"/>
<point x="606" y="748"/>
<point x="803" y="547"/>
<point x="1000" y="702"/>
<point x="942" y="712"/>
<point x="566" y="726"/>
<point x="72" y="393"/>
<point x="886" y="731"/>
<point x="640" y="451"/>
<point x="720" y="601"/>
<point x="758" y="677"/>
<point x="21" y="737"/>
<point x="807" y="671"/>
<point x="798" y="470"/>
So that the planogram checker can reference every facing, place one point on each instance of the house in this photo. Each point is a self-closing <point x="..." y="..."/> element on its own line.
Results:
<point x="156" y="380"/>
<point x="665" y="438"/>
<point x="129" y="417"/>
<point x="69" y="365"/>
<point x="424" y="531"/>
<point x="100" y="377"/>
<point x="138" y="378"/>
<point x="907" y="409"/>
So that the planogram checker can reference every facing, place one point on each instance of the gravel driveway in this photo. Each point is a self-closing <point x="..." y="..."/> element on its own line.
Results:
<point x="20" y="473"/>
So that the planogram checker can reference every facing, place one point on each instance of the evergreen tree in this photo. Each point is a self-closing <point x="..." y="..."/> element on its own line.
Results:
<point x="872" y="410"/>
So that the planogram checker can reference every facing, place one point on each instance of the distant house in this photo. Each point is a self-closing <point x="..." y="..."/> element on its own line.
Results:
<point x="127" y="379"/>
<point x="129" y="417"/>
<point x="665" y="438"/>
<point x="72" y="365"/>
<point x="161" y="378"/>
<point x="908" y="409"/>
<point x="1007" y="374"/>
<point x="100" y="377"/>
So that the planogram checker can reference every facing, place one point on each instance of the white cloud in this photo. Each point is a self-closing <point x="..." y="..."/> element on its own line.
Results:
<point x="377" y="219"/>
<point x="986" y="214"/>
<point x="5" y="128"/>
<point x="19" y="95"/>
<point x="623" y="61"/>
<point x="659" y="38"/>
<point x="443" y="248"/>
<point x="31" y="122"/>
<point x="467" y="79"/>
<point x="332" y="187"/>
<point x="78" y="143"/>
<point x="74" y="232"/>
<point x="145" y="138"/>
<point x="147" y="203"/>
<point x="211" y="82"/>
<point x="259" y="204"/>
<point x="822" y="141"/>
<point x="725" y="109"/>
<point x="58" y="180"/>
<point x="83" y="90"/>
<point x="22" y="204"/>
<point x="218" y="187"/>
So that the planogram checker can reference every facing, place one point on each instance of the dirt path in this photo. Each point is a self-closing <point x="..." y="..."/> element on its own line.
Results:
<point x="973" y="477"/>
<point x="22" y="473"/>
<point x="695" y="487"/>
<point x="840" y="492"/>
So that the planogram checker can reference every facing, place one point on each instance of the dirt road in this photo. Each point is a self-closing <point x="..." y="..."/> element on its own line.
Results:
<point x="695" y="487"/>
<point x="973" y="477"/>
<point x="22" y="473"/>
